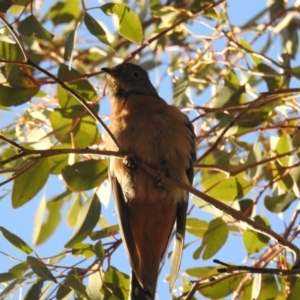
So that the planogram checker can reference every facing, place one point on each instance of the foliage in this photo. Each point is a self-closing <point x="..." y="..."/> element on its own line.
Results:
<point x="238" y="84"/>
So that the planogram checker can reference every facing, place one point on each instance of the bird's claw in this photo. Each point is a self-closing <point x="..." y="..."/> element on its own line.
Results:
<point x="130" y="161"/>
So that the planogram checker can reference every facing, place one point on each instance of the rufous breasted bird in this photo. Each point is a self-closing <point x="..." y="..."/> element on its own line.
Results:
<point x="160" y="135"/>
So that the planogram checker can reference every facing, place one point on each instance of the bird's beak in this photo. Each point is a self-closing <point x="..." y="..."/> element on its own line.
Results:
<point x="109" y="71"/>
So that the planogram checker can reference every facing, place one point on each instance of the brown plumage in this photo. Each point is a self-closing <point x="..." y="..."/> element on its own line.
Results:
<point x="148" y="129"/>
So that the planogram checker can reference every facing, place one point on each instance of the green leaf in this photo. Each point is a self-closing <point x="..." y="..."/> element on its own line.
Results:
<point x="64" y="11"/>
<point x="196" y="227"/>
<point x="70" y="42"/>
<point x="217" y="290"/>
<point x="19" y="269"/>
<point x="58" y="162"/>
<point x="269" y="287"/>
<point x="7" y="291"/>
<point x="278" y="204"/>
<point x="4" y="277"/>
<point x="254" y="157"/>
<point x="179" y="91"/>
<point x="12" y="96"/>
<point x="115" y="284"/>
<point x="235" y="187"/>
<point x="74" y="210"/>
<point x="63" y="291"/>
<point x="82" y="87"/>
<point x="40" y="269"/>
<point x="34" y="292"/>
<point x="47" y="219"/>
<point x="255" y="241"/>
<point x="87" y="220"/>
<point x="76" y="285"/>
<point x="285" y="145"/>
<point x="246" y="207"/>
<point x="95" y="283"/>
<point x="129" y="25"/>
<point x="28" y="184"/>
<point x="85" y="175"/>
<point x="30" y="26"/>
<point x="214" y="238"/>
<point x="16" y="241"/>
<point x="273" y="83"/>
<point x="86" y="250"/>
<point x="294" y="289"/>
<point x="95" y="29"/>
<point x="99" y="250"/>
<point x="105" y="232"/>
<point x="68" y="126"/>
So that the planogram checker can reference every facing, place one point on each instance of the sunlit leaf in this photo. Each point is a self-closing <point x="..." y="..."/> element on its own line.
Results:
<point x="85" y="175"/>
<point x="95" y="28"/>
<point x="255" y="241"/>
<point x="129" y="25"/>
<point x="16" y="241"/>
<point x="40" y="269"/>
<point x="28" y="184"/>
<point x="214" y="238"/>
<point x="30" y="26"/>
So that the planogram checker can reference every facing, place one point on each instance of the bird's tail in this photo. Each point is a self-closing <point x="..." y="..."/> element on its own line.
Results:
<point x="137" y="292"/>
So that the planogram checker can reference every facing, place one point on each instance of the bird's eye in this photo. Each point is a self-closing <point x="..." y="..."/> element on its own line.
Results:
<point x="136" y="74"/>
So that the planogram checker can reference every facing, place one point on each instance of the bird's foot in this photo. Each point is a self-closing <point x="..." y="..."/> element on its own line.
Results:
<point x="130" y="161"/>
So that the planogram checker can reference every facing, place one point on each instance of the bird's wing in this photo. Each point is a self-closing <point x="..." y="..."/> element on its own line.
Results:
<point x="122" y="212"/>
<point x="181" y="215"/>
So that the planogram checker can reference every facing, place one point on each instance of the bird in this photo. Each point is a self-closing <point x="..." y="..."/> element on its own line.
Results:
<point x="152" y="132"/>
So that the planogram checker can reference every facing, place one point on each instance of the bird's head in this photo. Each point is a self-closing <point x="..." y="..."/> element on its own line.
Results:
<point x="128" y="78"/>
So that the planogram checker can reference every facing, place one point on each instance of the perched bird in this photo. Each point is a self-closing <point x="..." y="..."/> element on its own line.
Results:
<point x="160" y="135"/>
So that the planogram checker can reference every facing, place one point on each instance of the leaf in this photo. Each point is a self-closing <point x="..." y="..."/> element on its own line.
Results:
<point x="269" y="287"/>
<point x="105" y="232"/>
<point x="18" y="269"/>
<point x="273" y="83"/>
<point x="235" y="187"/>
<point x="95" y="283"/>
<point x="64" y="11"/>
<point x="85" y="175"/>
<point x="179" y="91"/>
<point x="82" y="87"/>
<point x="255" y="241"/>
<point x="129" y="25"/>
<point x="4" y="277"/>
<point x="47" y="219"/>
<point x="246" y="207"/>
<point x="58" y="162"/>
<point x="69" y="127"/>
<point x="214" y="238"/>
<point x="35" y="291"/>
<point x="217" y="290"/>
<point x="76" y="285"/>
<point x="74" y="210"/>
<point x="28" y="184"/>
<point x="87" y="220"/>
<point x="100" y="252"/>
<point x="30" y="26"/>
<point x="284" y="145"/>
<point x="115" y="284"/>
<point x="196" y="227"/>
<point x="278" y="204"/>
<point x="40" y="269"/>
<point x="12" y="96"/>
<point x="70" y="42"/>
<point x="86" y="250"/>
<point x="95" y="29"/>
<point x="16" y="241"/>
